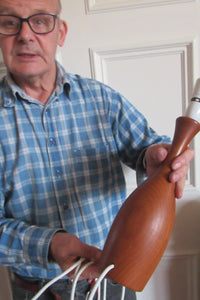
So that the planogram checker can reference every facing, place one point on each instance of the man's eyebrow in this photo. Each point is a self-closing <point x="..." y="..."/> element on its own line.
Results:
<point x="4" y="10"/>
<point x="7" y="10"/>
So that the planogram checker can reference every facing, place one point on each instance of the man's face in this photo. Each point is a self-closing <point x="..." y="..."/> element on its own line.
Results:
<point x="27" y="53"/>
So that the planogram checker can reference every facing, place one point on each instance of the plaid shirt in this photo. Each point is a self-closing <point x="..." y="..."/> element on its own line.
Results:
<point x="60" y="167"/>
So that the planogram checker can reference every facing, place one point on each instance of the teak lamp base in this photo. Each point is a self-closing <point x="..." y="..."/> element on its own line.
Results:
<point x="142" y="228"/>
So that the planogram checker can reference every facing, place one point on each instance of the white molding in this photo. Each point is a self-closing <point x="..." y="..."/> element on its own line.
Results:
<point x="191" y="260"/>
<point x="180" y="254"/>
<point x="59" y="55"/>
<point x="99" y="6"/>
<point x="99" y="59"/>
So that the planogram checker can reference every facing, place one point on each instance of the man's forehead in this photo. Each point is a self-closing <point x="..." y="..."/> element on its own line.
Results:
<point x="28" y="5"/>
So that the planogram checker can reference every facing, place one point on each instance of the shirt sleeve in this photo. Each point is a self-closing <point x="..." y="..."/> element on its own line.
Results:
<point x="141" y="173"/>
<point x="21" y="243"/>
<point x="131" y="130"/>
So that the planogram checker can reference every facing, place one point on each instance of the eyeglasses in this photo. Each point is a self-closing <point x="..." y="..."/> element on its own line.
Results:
<point x="39" y="23"/>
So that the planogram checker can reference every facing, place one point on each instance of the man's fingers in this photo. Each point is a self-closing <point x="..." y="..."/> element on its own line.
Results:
<point x="183" y="159"/>
<point x="91" y="253"/>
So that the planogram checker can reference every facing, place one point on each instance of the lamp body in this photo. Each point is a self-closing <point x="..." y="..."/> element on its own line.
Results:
<point x="142" y="228"/>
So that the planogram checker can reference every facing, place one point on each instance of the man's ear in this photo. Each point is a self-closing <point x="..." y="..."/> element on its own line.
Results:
<point x="62" y="33"/>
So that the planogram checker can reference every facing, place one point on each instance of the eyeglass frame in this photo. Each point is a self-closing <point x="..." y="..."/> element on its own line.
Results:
<point x="27" y="21"/>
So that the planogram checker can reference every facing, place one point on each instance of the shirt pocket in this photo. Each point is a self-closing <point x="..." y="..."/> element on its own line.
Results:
<point x="90" y="164"/>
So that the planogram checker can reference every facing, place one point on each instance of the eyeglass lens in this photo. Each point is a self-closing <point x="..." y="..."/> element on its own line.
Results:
<point x="39" y="23"/>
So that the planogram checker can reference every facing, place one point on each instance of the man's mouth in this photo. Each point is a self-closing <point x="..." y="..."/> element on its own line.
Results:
<point x="26" y="54"/>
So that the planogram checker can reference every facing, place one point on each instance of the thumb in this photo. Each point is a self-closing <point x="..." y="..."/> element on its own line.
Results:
<point x="154" y="156"/>
<point x="91" y="253"/>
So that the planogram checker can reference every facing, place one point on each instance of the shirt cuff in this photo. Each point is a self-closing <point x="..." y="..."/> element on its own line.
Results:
<point x="36" y="245"/>
<point x="141" y="174"/>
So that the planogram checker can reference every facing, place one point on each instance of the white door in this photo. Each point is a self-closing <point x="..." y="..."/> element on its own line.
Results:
<point x="150" y="51"/>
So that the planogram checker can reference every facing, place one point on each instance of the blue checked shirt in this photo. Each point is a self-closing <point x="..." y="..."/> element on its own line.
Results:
<point x="60" y="167"/>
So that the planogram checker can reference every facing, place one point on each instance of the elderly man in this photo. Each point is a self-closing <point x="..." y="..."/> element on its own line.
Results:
<point x="62" y="141"/>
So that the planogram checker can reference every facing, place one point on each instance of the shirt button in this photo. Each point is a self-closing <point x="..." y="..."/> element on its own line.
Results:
<point x="52" y="141"/>
<point x="9" y="102"/>
<point x="65" y="206"/>
<point x="58" y="173"/>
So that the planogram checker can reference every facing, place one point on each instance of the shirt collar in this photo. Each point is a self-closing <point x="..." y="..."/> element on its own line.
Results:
<point x="62" y="85"/>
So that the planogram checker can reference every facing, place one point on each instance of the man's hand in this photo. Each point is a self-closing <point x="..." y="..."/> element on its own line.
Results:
<point x="156" y="154"/>
<point x="66" y="249"/>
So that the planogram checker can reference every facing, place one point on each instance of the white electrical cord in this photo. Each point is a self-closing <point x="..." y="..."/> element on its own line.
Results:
<point x="101" y="277"/>
<point x="104" y="288"/>
<point x="99" y="292"/>
<point x="79" y="270"/>
<point x="77" y="264"/>
<point x="77" y="277"/>
<point x="123" y="292"/>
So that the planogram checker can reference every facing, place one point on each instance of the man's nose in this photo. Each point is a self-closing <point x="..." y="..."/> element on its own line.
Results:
<point x="26" y="32"/>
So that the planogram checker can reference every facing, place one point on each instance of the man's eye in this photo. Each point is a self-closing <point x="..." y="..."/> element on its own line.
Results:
<point x="39" y="22"/>
<point x="9" y="23"/>
<point x="42" y="21"/>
